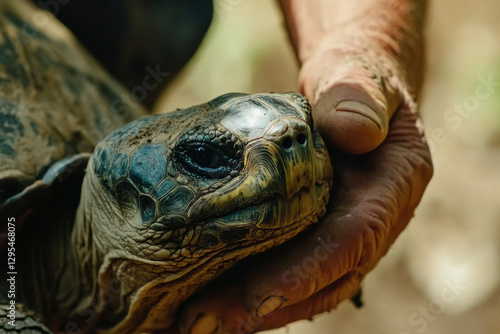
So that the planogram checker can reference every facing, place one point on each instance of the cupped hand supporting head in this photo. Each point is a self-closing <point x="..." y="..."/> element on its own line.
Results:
<point x="361" y="68"/>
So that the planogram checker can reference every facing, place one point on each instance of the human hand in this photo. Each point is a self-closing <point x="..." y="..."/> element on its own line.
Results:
<point x="373" y="200"/>
<point x="364" y="104"/>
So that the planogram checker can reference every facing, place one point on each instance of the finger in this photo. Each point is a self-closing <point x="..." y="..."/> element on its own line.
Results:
<point x="324" y="300"/>
<point x="374" y="199"/>
<point x="353" y="98"/>
<point x="204" y="316"/>
<point x="343" y="242"/>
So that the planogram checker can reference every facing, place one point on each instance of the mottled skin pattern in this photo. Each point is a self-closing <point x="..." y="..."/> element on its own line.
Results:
<point x="164" y="218"/>
<point x="117" y="241"/>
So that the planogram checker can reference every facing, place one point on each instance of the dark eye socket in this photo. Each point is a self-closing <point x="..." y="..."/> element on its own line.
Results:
<point x="202" y="160"/>
<point x="205" y="157"/>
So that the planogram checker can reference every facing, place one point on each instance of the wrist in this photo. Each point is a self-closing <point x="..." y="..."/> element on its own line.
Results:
<point x="388" y="33"/>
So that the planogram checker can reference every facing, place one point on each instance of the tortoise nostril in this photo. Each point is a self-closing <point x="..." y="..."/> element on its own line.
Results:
<point x="301" y="139"/>
<point x="287" y="142"/>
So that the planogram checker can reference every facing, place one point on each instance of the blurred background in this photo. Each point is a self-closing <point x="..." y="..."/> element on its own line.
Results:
<point x="443" y="273"/>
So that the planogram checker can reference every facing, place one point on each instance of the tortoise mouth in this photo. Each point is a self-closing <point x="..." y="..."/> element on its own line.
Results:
<point x="267" y="217"/>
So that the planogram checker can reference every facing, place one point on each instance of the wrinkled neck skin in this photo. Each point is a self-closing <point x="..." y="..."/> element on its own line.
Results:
<point x="121" y="276"/>
<point x="61" y="267"/>
<point x="52" y="282"/>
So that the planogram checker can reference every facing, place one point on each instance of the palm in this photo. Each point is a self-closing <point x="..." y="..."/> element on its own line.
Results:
<point x="373" y="199"/>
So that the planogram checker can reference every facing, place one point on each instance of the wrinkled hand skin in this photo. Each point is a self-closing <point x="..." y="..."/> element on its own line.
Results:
<point x="361" y="67"/>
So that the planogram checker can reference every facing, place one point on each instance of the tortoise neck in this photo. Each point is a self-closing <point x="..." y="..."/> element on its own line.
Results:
<point x="113" y="294"/>
<point x="118" y="289"/>
<point x="63" y="264"/>
<point x="69" y="273"/>
<point x="93" y="282"/>
<point x="52" y="283"/>
<point x="86" y="256"/>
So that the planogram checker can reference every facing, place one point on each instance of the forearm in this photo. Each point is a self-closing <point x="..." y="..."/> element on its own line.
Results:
<point x="361" y="27"/>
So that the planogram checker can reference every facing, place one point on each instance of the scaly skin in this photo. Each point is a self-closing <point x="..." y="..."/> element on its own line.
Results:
<point x="156" y="219"/>
<point x="115" y="267"/>
<point x="147" y="268"/>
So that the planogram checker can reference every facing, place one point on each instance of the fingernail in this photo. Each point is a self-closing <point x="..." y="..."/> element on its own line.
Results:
<point x="361" y="109"/>
<point x="205" y="324"/>
<point x="269" y="305"/>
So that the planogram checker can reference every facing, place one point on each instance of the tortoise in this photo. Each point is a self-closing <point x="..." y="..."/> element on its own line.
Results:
<point x="111" y="217"/>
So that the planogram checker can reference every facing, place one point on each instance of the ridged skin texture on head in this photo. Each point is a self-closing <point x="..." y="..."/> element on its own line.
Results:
<point x="197" y="190"/>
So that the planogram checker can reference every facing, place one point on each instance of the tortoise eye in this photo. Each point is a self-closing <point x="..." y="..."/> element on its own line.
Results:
<point x="203" y="161"/>
<point x="205" y="157"/>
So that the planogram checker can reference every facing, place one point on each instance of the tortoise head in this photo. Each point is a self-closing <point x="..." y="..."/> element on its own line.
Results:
<point x="201" y="187"/>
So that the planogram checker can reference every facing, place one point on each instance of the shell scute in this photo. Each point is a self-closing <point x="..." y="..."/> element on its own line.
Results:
<point x="148" y="209"/>
<point x="177" y="200"/>
<point x="248" y="117"/>
<point x="128" y="199"/>
<point x="215" y="103"/>
<point x="119" y="167"/>
<point x="148" y="166"/>
<point x="105" y="156"/>
<point x="163" y="188"/>
<point x="274" y="103"/>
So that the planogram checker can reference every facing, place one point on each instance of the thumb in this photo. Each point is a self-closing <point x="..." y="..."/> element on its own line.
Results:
<point x="353" y="98"/>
